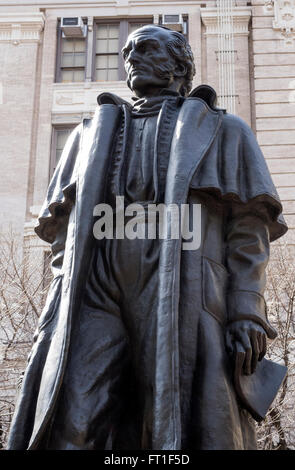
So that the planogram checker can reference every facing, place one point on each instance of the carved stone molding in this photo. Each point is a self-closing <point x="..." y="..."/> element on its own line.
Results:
<point x="284" y="19"/>
<point x="79" y="99"/>
<point x="19" y="28"/>
<point x="268" y="4"/>
<point x="241" y="17"/>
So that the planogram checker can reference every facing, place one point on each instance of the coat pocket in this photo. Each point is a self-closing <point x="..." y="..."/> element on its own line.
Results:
<point x="51" y="304"/>
<point x="214" y="289"/>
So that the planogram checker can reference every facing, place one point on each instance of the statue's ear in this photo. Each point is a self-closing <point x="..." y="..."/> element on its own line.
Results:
<point x="180" y="70"/>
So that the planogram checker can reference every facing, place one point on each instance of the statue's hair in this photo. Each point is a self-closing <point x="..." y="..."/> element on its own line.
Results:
<point x="179" y="48"/>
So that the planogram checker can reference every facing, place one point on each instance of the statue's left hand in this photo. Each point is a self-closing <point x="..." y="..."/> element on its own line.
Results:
<point x="252" y="337"/>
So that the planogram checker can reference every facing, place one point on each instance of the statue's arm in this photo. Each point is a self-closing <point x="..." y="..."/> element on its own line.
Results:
<point x="60" y="199"/>
<point x="53" y="221"/>
<point x="247" y="254"/>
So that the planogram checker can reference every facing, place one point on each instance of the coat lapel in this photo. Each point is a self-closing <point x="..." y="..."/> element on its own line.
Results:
<point x="196" y="128"/>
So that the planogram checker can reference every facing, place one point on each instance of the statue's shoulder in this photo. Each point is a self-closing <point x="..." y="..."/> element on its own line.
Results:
<point x="236" y="126"/>
<point x="230" y="122"/>
<point x="105" y="98"/>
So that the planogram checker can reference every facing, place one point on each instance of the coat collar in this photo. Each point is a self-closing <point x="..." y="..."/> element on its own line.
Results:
<point x="203" y="92"/>
<point x="207" y="94"/>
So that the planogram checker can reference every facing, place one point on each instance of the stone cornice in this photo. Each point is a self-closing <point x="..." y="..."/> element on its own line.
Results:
<point x="19" y="28"/>
<point x="241" y="17"/>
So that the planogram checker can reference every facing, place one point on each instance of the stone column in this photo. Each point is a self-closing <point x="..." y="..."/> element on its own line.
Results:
<point x="20" y="43"/>
<point x="241" y="17"/>
<point x="195" y="40"/>
<point x="45" y="106"/>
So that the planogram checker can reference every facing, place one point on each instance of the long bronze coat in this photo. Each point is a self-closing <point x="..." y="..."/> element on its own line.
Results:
<point x="214" y="161"/>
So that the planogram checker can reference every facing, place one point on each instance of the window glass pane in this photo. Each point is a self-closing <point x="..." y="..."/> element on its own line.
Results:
<point x="102" y="45"/>
<point x="66" y="76"/>
<point x="113" y="45"/>
<point x="61" y="138"/>
<point x="113" y="61"/>
<point x="78" y="75"/>
<point x="102" y="31"/>
<point x="107" y="38"/>
<point x="79" y="59"/>
<point x="67" y="45"/>
<point x="67" y="59"/>
<point x="101" y="61"/>
<point x="113" y="75"/>
<point x="101" y="75"/>
<point x="80" y="45"/>
<point x="114" y="31"/>
<point x="73" y="55"/>
<point x="107" y="67"/>
<point x="58" y="155"/>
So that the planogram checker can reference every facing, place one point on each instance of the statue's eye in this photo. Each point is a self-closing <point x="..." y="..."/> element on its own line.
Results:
<point x="142" y="48"/>
<point x="125" y="53"/>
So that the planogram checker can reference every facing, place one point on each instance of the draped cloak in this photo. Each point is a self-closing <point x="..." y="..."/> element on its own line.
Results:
<point x="215" y="161"/>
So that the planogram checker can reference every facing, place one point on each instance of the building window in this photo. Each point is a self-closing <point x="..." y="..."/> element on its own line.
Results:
<point x="107" y="52"/>
<point x="59" y="138"/>
<point x="72" y="60"/>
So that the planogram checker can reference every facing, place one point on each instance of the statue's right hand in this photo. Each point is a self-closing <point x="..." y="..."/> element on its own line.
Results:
<point x="251" y="337"/>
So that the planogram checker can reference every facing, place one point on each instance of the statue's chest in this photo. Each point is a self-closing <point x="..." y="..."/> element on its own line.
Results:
<point x="138" y="169"/>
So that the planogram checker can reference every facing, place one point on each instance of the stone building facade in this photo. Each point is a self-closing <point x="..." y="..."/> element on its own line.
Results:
<point x="48" y="83"/>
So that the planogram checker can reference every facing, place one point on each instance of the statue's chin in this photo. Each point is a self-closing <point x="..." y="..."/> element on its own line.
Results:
<point x="142" y="86"/>
<point x="138" y="84"/>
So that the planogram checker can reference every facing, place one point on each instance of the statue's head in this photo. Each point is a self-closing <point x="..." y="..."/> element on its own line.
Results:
<point x="156" y="58"/>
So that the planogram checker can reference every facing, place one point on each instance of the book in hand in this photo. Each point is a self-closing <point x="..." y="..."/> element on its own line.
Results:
<point x="258" y="390"/>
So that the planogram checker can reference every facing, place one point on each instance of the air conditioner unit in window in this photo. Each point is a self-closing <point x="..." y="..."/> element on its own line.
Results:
<point x="174" y="22"/>
<point x="73" y="27"/>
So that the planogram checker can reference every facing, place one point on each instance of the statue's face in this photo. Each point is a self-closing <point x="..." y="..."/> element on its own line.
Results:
<point x="148" y="64"/>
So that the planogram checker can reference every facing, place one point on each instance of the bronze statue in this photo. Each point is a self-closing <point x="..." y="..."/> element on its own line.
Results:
<point x="137" y="341"/>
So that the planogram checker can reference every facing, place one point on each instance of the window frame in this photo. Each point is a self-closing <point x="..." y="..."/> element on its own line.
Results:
<point x="103" y="21"/>
<point x="58" y="67"/>
<point x="55" y="129"/>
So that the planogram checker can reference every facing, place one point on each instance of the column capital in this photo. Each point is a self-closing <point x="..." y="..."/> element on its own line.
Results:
<point x="241" y="17"/>
<point x="21" y="27"/>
